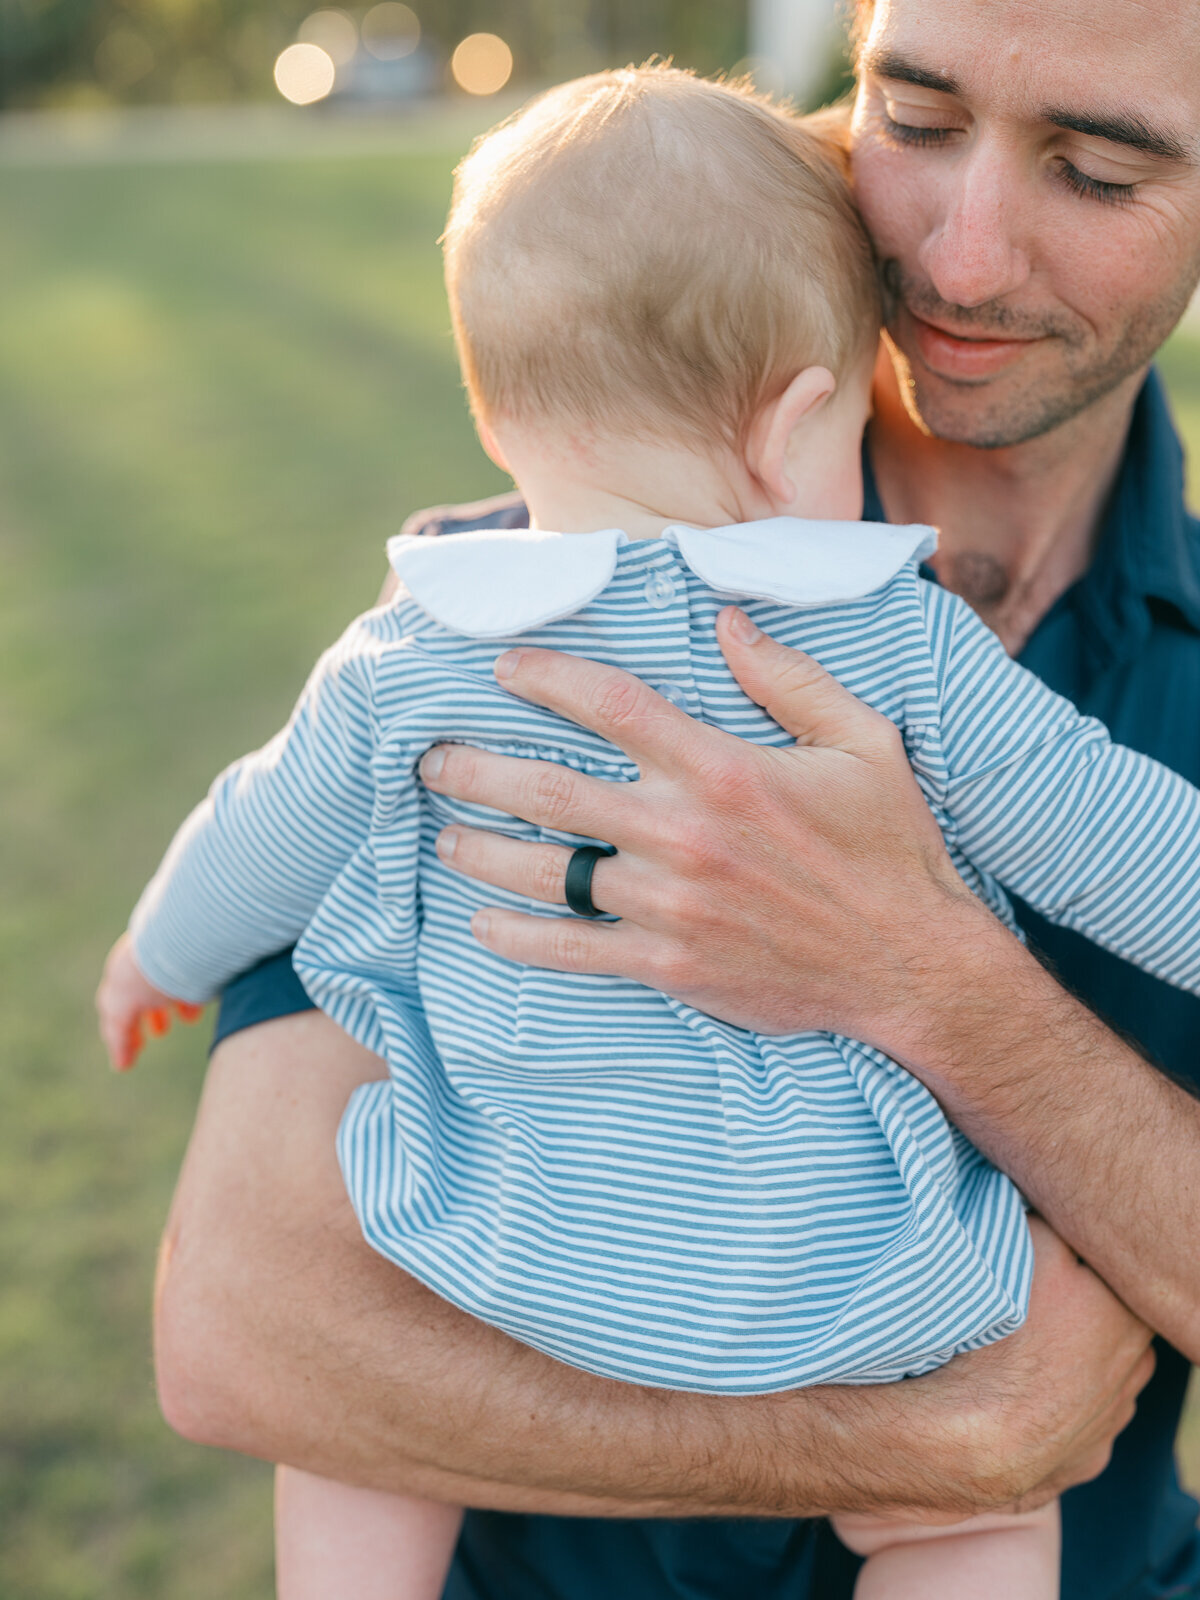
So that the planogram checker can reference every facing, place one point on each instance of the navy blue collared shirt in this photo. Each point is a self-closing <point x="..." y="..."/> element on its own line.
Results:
<point x="1124" y="645"/>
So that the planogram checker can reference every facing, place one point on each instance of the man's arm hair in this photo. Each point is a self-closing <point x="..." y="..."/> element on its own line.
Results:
<point x="1100" y="1141"/>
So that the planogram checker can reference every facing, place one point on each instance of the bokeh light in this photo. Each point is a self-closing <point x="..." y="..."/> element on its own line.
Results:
<point x="331" y="31"/>
<point x="304" y="73"/>
<point x="482" y="64"/>
<point x="391" y="31"/>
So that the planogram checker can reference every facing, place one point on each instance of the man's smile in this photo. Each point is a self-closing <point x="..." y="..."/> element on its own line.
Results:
<point x="963" y="356"/>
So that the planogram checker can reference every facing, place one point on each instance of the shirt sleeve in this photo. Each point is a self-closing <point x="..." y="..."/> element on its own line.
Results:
<point x="1096" y="837"/>
<point x="250" y="865"/>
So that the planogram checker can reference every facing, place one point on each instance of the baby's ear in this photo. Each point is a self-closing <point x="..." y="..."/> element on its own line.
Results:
<point x="769" y="445"/>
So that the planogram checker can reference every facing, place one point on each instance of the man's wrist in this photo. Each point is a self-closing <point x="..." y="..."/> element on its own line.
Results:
<point x="972" y="1002"/>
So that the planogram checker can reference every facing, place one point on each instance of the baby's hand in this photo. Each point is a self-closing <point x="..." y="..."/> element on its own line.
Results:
<point x="127" y="1002"/>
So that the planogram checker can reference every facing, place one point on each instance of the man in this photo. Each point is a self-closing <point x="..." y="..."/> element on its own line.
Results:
<point x="1031" y="176"/>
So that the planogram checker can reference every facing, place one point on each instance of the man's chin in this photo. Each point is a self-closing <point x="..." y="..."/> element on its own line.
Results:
<point x="957" y="421"/>
<point x="988" y="415"/>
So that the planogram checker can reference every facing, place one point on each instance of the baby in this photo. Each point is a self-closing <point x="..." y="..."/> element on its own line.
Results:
<point x="666" y="310"/>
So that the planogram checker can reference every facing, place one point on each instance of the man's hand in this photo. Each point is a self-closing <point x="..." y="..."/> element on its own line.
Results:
<point x="784" y="889"/>
<point x="1036" y="1414"/>
<point x="778" y="889"/>
<point x="128" y="1006"/>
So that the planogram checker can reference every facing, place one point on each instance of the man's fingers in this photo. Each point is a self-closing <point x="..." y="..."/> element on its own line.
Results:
<point x="1115" y="1420"/>
<point x="558" y="944"/>
<point x="537" y="791"/>
<point x="614" y="704"/>
<point x="537" y="871"/>
<point x="796" y="691"/>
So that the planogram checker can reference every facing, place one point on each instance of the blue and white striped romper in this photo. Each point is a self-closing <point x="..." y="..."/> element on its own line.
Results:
<point x="603" y="1172"/>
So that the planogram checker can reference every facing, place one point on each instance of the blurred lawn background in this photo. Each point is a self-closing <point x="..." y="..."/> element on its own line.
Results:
<point x="222" y="386"/>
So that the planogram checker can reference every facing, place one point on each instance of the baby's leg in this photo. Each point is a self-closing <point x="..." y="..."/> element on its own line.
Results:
<point x="333" y="1542"/>
<point x="1002" y="1557"/>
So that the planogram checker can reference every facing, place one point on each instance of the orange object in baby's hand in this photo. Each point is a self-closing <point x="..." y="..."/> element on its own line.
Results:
<point x="129" y="1006"/>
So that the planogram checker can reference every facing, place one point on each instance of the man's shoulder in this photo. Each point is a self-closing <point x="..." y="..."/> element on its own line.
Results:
<point x="499" y="511"/>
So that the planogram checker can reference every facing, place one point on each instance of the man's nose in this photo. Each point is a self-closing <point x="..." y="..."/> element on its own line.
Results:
<point x="971" y="255"/>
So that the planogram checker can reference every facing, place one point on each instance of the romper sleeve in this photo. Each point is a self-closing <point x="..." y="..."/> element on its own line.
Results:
<point x="250" y="865"/>
<point x="1095" y="836"/>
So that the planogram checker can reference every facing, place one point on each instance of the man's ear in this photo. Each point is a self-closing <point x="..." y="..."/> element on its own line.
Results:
<point x="769" y="445"/>
<point x="487" y="439"/>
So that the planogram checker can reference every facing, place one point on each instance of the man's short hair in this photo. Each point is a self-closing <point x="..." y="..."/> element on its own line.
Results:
<point x="645" y="251"/>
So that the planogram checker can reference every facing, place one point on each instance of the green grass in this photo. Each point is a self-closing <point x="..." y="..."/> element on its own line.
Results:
<point x="221" y="388"/>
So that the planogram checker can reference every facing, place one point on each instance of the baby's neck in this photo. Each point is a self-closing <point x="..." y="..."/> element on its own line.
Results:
<point x="587" y="486"/>
<point x="588" y="515"/>
<point x="580" y="508"/>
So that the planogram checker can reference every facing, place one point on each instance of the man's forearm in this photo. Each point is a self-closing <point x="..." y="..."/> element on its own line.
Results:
<point x="1015" y="1423"/>
<point x="1105" y="1146"/>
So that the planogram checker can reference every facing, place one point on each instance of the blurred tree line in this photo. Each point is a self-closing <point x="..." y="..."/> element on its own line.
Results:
<point x="79" y="52"/>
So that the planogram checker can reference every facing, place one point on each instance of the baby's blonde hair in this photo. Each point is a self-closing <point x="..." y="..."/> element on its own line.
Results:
<point x="648" y="252"/>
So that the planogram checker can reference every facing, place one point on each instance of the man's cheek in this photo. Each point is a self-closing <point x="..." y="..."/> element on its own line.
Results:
<point x="1099" y="288"/>
<point x="894" y="199"/>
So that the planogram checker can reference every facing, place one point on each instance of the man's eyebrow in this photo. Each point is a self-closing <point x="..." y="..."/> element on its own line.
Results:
<point x="1118" y="127"/>
<point x="890" y="64"/>
<point x="1123" y="127"/>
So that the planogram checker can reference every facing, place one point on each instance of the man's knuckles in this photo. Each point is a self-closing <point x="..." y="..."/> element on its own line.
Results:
<point x="730" y="778"/>
<point x="694" y="852"/>
<point x="547" y="872"/>
<point x="672" y="969"/>
<point x="880" y="740"/>
<point x="551" y="796"/>
<point x="621" y="702"/>
<point x="571" y="947"/>
<point x="684" y="908"/>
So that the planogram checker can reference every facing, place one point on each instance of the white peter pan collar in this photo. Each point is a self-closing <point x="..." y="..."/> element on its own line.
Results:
<point x="495" y="583"/>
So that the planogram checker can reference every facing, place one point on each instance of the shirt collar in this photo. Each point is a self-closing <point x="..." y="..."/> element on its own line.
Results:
<point x="494" y="583"/>
<point x="1149" y="545"/>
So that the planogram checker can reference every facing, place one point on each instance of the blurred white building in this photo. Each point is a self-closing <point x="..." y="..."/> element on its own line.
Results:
<point x="795" y="42"/>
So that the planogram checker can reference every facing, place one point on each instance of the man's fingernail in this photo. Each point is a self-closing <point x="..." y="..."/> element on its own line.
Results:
<point x="481" y="925"/>
<point x="507" y="664"/>
<point x="742" y="629"/>
<point x="432" y="763"/>
<point x="447" y="844"/>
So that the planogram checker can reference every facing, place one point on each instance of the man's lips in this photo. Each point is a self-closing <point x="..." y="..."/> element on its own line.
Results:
<point x="956" y="355"/>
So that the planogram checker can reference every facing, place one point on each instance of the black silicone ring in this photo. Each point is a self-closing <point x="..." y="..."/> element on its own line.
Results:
<point x="578" y="887"/>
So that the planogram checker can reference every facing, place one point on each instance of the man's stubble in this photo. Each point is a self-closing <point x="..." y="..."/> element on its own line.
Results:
<point x="1070" y="376"/>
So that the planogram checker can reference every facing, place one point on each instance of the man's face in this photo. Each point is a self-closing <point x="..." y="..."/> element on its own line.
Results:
<point x="1030" y="173"/>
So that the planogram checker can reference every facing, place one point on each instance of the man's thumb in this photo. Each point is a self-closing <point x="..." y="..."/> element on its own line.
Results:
<point x="794" y="689"/>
